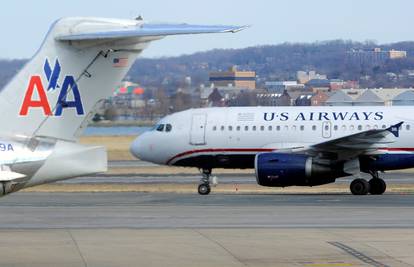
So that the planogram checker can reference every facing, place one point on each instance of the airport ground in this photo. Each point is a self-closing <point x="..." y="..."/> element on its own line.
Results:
<point x="139" y="214"/>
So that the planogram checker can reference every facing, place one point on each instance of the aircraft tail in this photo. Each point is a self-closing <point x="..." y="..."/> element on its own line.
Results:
<point x="80" y="63"/>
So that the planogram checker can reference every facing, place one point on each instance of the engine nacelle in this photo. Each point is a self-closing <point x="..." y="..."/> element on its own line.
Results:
<point x="281" y="169"/>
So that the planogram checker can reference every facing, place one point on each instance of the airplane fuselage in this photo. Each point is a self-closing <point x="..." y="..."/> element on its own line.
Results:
<point x="231" y="137"/>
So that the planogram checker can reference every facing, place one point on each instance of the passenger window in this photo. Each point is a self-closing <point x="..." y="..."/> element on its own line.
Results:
<point x="352" y="127"/>
<point x="294" y="127"/>
<point x="168" y="128"/>
<point x="335" y="127"/>
<point x="407" y="127"/>
<point x="261" y="128"/>
<point x="214" y="128"/>
<point x="302" y="128"/>
<point x="270" y="128"/>
<point x="314" y="127"/>
<point x="254" y="128"/>
<point x="278" y="128"/>
<point x="160" y="128"/>
<point x="222" y="128"/>
<point x="384" y="126"/>
<point x="246" y="128"/>
<point x="230" y="128"/>
<point x="359" y="127"/>
<point x="238" y="128"/>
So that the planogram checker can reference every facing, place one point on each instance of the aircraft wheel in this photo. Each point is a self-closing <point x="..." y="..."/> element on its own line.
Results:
<point x="377" y="186"/>
<point x="360" y="187"/>
<point x="204" y="189"/>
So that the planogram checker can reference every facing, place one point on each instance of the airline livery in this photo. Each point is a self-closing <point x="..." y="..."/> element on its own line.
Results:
<point x="287" y="146"/>
<point x="51" y="100"/>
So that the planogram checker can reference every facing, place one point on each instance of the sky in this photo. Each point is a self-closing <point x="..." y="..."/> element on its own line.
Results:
<point x="23" y="24"/>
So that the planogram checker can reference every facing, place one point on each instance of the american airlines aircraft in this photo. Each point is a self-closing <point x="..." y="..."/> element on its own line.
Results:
<point x="48" y="104"/>
<point x="287" y="146"/>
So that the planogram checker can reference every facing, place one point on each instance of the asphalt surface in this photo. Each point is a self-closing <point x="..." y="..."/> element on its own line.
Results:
<point x="142" y="178"/>
<point x="169" y="229"/>
<point x="175" y="211"/>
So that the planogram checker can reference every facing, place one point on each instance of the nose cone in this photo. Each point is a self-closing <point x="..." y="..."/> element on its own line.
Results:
<point x="136" y="148"/>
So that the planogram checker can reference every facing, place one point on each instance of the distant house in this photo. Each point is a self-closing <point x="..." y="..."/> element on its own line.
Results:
<point x="319" y="98"/>
<point x="267" y="99"/>
<point x="304" y="100"/>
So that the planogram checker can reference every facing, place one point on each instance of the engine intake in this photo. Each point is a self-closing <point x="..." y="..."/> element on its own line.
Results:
<point x="281" y="169"/>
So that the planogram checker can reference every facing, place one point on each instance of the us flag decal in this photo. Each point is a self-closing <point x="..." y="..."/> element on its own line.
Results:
<point x="120" y="62"/>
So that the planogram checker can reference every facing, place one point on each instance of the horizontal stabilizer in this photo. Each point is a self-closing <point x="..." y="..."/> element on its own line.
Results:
<point x="6" y="176"/>
<point x="148" y="30"/>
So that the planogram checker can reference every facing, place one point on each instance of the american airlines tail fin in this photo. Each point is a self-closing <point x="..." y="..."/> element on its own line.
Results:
<point x="79" y="64"/>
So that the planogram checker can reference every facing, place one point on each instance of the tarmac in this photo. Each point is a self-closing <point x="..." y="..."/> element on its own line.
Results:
<point x="170" y="229"/>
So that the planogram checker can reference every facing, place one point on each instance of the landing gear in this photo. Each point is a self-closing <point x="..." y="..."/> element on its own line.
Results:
<point x="359" y="187"/>
<point x="204" y="189"/>
<point x="375" y="186"/>
<point x="204" y="186"/>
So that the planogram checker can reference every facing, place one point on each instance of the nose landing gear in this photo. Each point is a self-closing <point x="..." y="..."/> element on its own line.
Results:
<point x="375" y="186"/>
<point x="204" y="186"/>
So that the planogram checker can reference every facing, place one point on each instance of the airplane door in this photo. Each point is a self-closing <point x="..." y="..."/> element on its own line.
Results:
<point x="326" y="129"/>
<point x="198" y="130"/>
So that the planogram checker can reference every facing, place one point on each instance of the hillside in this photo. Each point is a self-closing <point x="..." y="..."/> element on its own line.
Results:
<point x="271" y="62"/>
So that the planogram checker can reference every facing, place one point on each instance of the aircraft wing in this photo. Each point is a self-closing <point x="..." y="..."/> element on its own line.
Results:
<point x="355" y="144"/>
<point x="147" y="30"/>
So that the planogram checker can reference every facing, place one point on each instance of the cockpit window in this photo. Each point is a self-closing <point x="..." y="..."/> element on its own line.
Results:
<point x="160" y="128"/>
<point x="168" y="128"/>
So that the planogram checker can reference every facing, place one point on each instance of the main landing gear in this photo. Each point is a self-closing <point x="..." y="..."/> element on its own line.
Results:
<point x="375" y="186"/>
<point x="204" y="186"/>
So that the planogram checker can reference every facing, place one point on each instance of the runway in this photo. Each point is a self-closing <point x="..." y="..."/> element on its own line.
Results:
<point x="166" y="229"/>
<point x="172" y="211"/>
<point x="221" y="229"/>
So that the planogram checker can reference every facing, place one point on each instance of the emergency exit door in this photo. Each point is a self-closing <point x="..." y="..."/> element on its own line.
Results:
<point x="198" y="129"/>
<point x="326" y="129"/>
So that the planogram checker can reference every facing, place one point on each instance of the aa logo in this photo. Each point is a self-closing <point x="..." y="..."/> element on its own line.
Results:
<point x="36" y="96"/>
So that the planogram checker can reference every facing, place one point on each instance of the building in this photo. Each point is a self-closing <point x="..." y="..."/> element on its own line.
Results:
<point x="233" y="78"/>
<point x="280" y="86"/>
<point x="267" y="99"/>
<point x="304" y="77"/>
<point x="319" y="98"/>
<point x="376" y="56"/>
<point x="404" y="99"/>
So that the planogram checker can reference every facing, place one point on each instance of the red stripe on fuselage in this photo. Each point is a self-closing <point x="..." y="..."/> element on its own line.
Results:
<point x="215" y="150"/>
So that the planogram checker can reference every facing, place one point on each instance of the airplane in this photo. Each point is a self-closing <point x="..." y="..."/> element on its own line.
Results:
<point x="286" y="146"/>
<point x="48" y="104"/>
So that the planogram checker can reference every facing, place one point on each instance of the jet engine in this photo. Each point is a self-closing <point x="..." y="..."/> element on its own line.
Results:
<point x="282" y="169"/>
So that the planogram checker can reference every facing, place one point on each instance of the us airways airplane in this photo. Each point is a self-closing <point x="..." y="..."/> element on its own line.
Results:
<point x="287" y="146"/>
<point x="51" y="100"/>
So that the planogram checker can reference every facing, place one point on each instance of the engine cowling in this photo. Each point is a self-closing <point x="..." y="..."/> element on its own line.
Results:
<point x="282" y="169"/>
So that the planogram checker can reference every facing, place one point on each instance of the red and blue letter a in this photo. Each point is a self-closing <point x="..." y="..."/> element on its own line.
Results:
<point x="42" y="102"/>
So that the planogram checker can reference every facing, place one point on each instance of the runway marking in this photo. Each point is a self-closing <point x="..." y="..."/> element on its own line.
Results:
<point x="359" y="255"/>
<point x="329" y="264"/>
<point x="77" y="248"/>
<point x="220" y="245"/>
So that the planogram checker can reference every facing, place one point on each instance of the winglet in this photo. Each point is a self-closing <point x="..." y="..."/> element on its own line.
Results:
<point x="395" y="129"/>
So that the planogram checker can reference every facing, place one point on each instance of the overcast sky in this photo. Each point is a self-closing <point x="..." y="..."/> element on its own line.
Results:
<point x="23" y="24"/>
